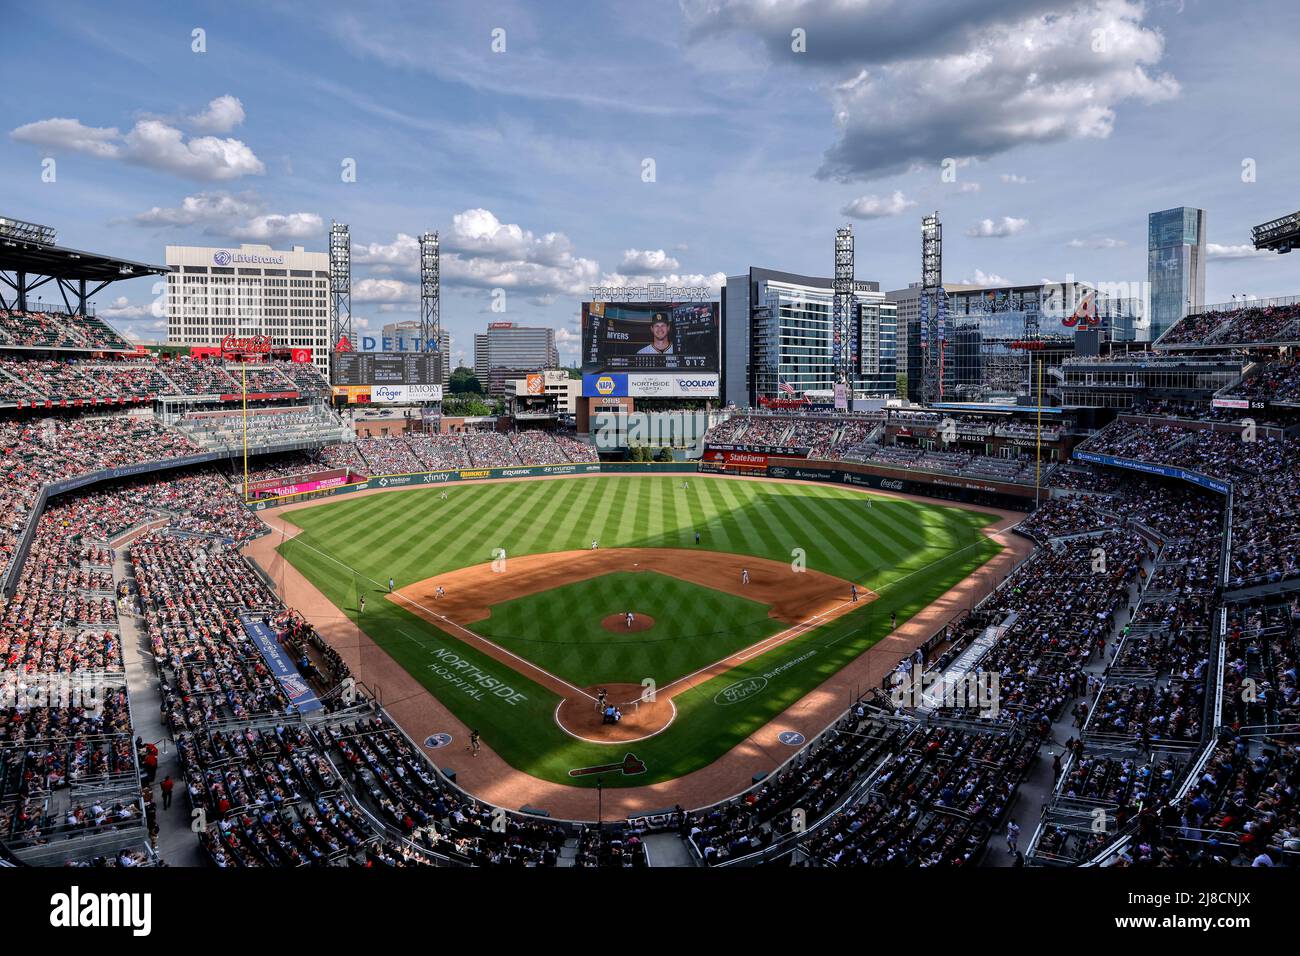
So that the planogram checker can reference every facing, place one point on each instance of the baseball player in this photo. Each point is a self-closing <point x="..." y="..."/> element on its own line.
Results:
<point x="438" y="593"/>
<point x="390" y="584"/>
<point x="744" y="575"/>
<point x="361" y="605"/>
<point x="473" y="743"/>
<point x="629" y="618"/>
<point x="853" y="592"/>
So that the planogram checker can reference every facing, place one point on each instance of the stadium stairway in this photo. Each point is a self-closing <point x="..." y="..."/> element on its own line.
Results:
<point x="1038" y="787"/>
<point x="568" y="853"/>
<point x="177" y="845"/>
<point x="667" y="849"/>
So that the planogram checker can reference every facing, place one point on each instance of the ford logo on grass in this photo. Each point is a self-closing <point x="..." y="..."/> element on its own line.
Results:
<point x="741" y="690"/>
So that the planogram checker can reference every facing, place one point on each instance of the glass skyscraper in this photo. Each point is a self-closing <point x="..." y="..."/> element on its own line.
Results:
<point x="1175" y="265"/>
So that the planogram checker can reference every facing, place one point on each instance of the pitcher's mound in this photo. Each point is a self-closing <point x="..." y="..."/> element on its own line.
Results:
<point x="581" y="716"/>
<point x="618" y="623"/>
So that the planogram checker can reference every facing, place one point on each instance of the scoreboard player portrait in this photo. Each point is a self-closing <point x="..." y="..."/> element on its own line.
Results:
<point x="650" y="336"/>
<point x="661" y="330"/>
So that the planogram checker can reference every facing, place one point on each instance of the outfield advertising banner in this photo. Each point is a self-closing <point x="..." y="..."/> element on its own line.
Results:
<point x="694" y="385"/>
<point x="404" y="394"/>
<point x="643" y="385"/>
<point x="604" y="385"/>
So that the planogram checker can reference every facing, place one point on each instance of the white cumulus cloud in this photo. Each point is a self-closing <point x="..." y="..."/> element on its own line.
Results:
<point x="997" y="229"/>
<point x="878" y="207"/>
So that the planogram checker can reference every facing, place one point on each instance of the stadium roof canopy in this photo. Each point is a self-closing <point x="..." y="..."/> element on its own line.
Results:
<point x="27" y="263"/>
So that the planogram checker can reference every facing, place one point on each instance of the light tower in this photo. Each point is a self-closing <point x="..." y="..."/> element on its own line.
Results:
<point x="844" y="343"/>
<point x="932" y="303"/>
<point x="340" y="286"/>
<point x="430" y="293"/>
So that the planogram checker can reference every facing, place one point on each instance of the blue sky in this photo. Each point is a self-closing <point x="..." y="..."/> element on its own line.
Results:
<point x="1063" y="123"/>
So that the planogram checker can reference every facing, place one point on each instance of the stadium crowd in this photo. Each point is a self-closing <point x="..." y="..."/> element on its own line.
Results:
<point x="1251" y="325"/>
<point x="417" y="452"/>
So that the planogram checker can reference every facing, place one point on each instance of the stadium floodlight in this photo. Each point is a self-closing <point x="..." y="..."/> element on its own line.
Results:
<point x="1280" y="235"/>
<point x="27" y="231"/>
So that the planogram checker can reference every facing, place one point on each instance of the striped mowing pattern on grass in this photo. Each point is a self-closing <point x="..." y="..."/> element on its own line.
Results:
<point x="560" y="630"/>
<point x="412" y="535"/>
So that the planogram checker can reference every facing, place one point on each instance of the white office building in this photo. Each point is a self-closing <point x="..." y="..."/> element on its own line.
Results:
<point x="213" y="292"/>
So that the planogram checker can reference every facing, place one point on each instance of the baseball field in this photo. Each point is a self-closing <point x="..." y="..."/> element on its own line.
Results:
<point x="705" y="608"/>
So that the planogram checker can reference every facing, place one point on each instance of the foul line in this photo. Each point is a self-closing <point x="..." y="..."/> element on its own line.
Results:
<point x="746" y="654"/>
<point x="743" y="656"/>
<point x="442" y="617"/>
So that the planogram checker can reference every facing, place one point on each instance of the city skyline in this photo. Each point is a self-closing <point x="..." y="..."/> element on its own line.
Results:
<point x="527" y="149"/>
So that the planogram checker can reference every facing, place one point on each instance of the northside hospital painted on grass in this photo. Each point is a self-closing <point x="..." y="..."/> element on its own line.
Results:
<point x="907" y="552"/>
<point x="465" y="676"/>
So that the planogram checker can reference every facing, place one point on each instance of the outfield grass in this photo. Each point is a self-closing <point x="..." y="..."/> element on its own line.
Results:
<point x="909" y="552"/>
<point x="560" y="630"/>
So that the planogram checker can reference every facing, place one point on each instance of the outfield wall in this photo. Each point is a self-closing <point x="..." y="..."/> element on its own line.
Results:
<point x="993" y="494"/>
<point x="430" y="478"/>
<point x="927" y="484"/>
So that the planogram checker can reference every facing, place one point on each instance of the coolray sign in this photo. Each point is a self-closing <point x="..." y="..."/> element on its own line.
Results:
<point x="404" y="394"/>
<point x="651" y="385"/>
<point x="223" y="257"/>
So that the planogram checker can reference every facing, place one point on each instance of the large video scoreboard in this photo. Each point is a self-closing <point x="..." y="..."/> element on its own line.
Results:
<point x="386" y="368"/>
<point x="650" y="337"/>
<point x="651" y="349"/>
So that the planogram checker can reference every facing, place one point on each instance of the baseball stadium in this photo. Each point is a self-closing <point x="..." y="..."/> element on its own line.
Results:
<point x="464" y="447"/>
<point x="822" y="631"/>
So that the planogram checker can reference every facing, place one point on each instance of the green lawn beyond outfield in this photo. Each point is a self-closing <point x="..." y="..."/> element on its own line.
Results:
<point x="909" y="552"/>
<point x="560" y="629"/>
